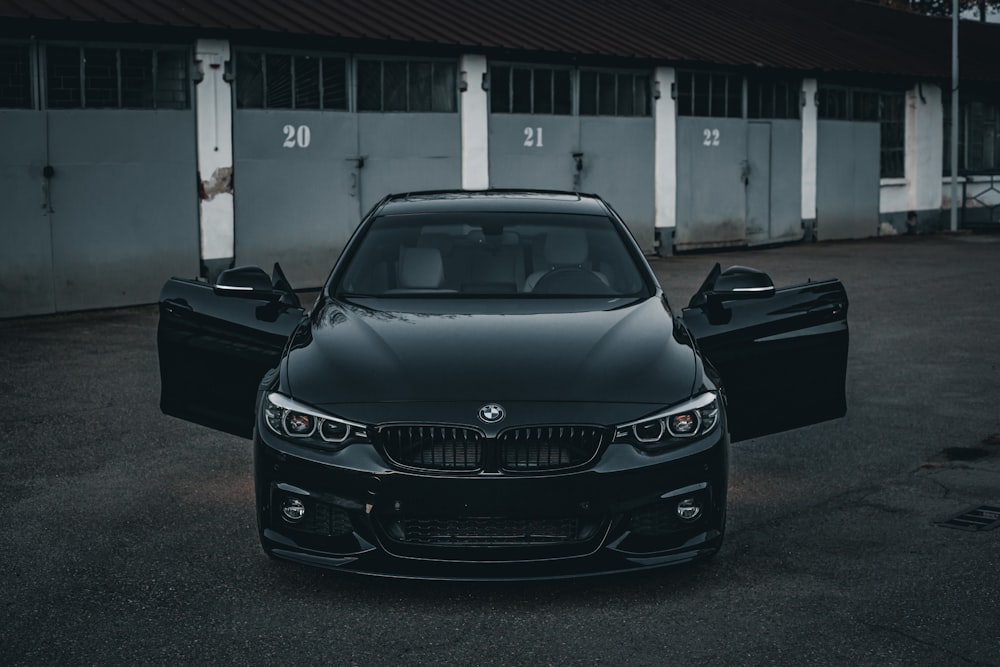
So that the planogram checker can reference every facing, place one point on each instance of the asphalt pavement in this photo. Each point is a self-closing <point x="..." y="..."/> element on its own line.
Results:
<point x="128" y="537"/>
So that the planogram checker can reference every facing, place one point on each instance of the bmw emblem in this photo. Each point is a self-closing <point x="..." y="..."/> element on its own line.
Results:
<point x="491" y="413"/>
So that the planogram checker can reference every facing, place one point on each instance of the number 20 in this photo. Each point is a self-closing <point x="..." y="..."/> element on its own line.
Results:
<point x="297" y="136"/>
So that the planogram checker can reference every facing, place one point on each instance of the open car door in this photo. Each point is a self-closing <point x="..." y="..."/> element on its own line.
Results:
<point x="782" y="354"/>
<point x="216" y="342"/>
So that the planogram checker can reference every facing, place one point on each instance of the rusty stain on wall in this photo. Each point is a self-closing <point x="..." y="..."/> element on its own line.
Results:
<point x="221" y="182"/>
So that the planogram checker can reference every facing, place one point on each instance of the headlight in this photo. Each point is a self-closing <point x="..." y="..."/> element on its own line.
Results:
<point x="295" y="421"/>
<point x="674" y="426"/>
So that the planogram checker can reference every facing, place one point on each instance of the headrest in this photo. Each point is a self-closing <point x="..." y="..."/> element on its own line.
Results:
<point x="566" y="247"/>
<point x="420" y="268"/>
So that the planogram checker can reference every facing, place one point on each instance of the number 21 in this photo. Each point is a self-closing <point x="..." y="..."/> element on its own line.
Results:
<point x="533" y="137"/>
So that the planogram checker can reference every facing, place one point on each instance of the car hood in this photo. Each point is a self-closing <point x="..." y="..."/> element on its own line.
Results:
<point x="355" y="354"/>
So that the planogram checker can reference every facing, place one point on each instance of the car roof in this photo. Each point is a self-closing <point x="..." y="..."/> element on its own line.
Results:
<point x="525" y="201"/>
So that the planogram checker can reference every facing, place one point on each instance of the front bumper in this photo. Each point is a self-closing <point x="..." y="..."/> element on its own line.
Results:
<point x="363" y="515"/>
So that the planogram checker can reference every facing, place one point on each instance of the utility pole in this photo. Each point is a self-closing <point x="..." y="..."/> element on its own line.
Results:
<point x="954" y="115"/>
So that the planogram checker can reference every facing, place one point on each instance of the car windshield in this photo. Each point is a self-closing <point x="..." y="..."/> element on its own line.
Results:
<point x="492" y="254"/>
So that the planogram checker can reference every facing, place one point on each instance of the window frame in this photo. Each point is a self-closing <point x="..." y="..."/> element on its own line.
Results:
<point x="293" y="55"/>
<point x="638" y="76"/>
<point x="969" y="135"/>
<point x="694" y="108"/>
<point x="30" y="76"/>
<point x="573" y="81"/>
<point x="157" y="100"/>
<point x="453" y="100"/>
<point x="761" y="84"/>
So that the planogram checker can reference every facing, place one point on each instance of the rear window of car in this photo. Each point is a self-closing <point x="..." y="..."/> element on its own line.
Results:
<point x="520" y="254"/>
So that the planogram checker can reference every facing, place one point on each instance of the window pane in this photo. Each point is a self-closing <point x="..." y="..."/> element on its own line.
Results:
<point x="542" y="91"/>
<point x="15" y="77"/>
<point x="685" y="101"/>
<point x="700" y="94"/>
<point x="444" y="91"/>
<point x="172" y="87"/>
<point x="306" y="82"/>
<point x="864" y="105"/>
<point x="642" y="86"/>
<point x="334" y="83"/>
<point x="734" y="96"/>
<point x="626" y="98"/>
<point x="719" y="96"/>
<point x="420" y="86"/>
<point x="588" y="93"/>
<point x="62" y="77"/>
<point x="394" y="85"/>
<point x="137" y="79"/>
<point x="767" y="98"/>
<point x="100" y="75"/>
<point x="522" y="91"/>
<point x="893" y="133"/>
<point x="249" y="80"/>
<point x="785" y="104"/>
<point x="369" y="85"/>
<point x="606" y="94"/>
<point x="500" y="89"/>
<point x="278" y="80"/>
<point x="833" y="103"/>
<point x="562" y="92"/>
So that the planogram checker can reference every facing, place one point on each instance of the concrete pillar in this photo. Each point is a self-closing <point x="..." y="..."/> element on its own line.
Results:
<point x="475" y="124"/>
<point x="810" y="118"/>
<point x="924" y="151"/>
<point x="665" y="159"/>
<point x="214" y="109"/>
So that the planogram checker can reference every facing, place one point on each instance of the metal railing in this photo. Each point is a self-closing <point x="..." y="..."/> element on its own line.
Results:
<point x="981" y="210"/>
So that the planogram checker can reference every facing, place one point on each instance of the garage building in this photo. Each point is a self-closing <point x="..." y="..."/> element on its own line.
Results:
<point x="143" y="138"/>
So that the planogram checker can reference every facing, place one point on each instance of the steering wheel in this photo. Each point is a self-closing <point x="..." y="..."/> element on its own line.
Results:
<point x="570" y="280"/>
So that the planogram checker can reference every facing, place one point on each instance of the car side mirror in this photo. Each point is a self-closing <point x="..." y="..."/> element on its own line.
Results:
<point x="741" y="282"/>
<point x="247" y="282"/>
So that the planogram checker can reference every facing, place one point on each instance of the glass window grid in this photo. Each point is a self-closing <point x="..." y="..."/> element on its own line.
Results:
<point x="774" y="98"/>
<point x="614" y="93"/>
<point x="709" y="94"/>
<point x="978" y="135"/>
<point x="529" y="89"/>
<point x="290" y="80"/>
<point x="16" y="80"/>
<point x="97" y="76"/>
<point x="391" y="85"/>
<point x="983" y="140"/>
<point x="892" y="117"/>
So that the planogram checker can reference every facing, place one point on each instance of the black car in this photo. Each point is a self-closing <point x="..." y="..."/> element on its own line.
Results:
<point x="493" y="385"/>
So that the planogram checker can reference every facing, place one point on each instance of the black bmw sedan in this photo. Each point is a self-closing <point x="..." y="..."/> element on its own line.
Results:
<point x="492" y="385"/>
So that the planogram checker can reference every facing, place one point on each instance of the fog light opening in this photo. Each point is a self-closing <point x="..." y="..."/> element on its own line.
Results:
<point x="688" y="509"/>
<point x="292" y="509"/>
